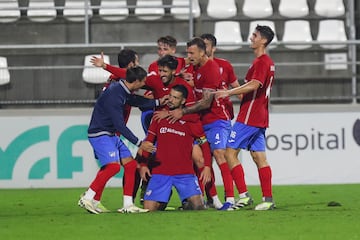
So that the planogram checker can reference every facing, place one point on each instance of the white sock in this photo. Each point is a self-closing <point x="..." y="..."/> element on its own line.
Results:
<point x="216" y="201"/>
<point x="128" y="201"/>
<point x="243" y="195"/>
<point x="89" y="194"/>
<point x="230" y="200"/>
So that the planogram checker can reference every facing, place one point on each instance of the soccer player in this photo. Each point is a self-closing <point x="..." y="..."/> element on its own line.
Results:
<point x="160" y="85"/>
<point x="107" y="119"/>
<point x="174" y="164"/>
<point x="127" y="58"/>
<point x="248" y="132"/>
<point x="228" y="80"/>
<point x="214" y="116"/>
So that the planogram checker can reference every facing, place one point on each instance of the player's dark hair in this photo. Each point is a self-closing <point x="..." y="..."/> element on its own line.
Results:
<point x="266" y="32"/>
<point x="198" y="42"/>
<point x="135" y="73"/>
<point x="168" y="61"/>
<point x="169" y="40"/>
<point x="210" y="37"/>
<point x="126" y="56"/>
<point x="182" y="89"/>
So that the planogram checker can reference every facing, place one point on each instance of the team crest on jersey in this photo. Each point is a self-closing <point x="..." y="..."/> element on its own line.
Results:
<point x="198" y="76"/>
<point x="221" y="70"/>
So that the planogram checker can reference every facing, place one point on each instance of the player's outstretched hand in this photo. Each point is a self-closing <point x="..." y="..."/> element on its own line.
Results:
<point x="98" y="61"/>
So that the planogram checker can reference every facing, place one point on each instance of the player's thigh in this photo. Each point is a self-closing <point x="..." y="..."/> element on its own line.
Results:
<point x="159" y="188"/>
<point x="105" y="149"/>
<point x="186" y="185"/>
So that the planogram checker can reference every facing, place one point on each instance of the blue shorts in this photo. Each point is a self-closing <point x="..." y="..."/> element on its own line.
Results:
<point x="159" y="187"/>
<point x="217" y="134"/>
<point x="247" y="137"/>
<point x="109" y="149"/>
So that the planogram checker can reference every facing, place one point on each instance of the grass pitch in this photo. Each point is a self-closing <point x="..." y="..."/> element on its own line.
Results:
<point x="302" y="213"/>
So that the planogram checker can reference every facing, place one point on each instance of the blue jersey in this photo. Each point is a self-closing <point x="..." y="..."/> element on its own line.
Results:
<point x="108" y="117"/>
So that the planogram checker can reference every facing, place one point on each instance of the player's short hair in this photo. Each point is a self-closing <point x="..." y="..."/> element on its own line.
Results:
<point x="199" y="42"/>
<point x="182" y="89"/>
<point x="168" y="61"/>
<point x="135" y="73"/>
<point x="126" y="56"/>
<point x="168" y="40"/>
<point x="266" y="32"/>
<point x="210" y="37"/>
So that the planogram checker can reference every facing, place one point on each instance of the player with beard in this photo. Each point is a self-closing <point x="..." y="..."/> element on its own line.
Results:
<point x="214" y="116"/>
<point x="228" y="80"/>
<point x="174" y="164"/>
<point x="160" y="85"/>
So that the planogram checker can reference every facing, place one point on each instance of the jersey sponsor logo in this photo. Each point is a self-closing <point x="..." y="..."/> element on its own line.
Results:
<point x="164" y="130"/>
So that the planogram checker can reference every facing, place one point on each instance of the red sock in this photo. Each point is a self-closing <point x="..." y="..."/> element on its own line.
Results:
<point x="265" y="181"/>
<point x="227" y="180"/>
<point x="129" y="178"/>
<point x="210" y="188"/>
<point x="102" y="177"/>
<point x="238" y="175"/>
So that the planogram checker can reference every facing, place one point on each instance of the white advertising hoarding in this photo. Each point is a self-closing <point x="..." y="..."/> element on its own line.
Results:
<point x="49" y="148"/>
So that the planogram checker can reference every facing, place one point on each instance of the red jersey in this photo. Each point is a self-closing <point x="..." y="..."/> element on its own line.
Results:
<point x="159" y="89"/>
<point x="174" y="146"/>
<point x="208" y="77"/>
<point x="228" y="77"/>
<point x="254" y="105"/>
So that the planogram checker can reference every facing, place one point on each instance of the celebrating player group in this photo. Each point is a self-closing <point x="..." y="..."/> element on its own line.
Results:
<point x="186" y="116"/>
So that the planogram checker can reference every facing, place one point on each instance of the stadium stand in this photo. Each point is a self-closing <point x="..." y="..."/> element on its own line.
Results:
<point x="9" y="11"/>
<point x="74" y="10"/>
<point x="54" y="55"/>
<point x="221" y="9"/>
<point x="329" y="8"/>
<point x="183" y="12"/>
<point x="293" y="8"/>
<point x="297" y="31"/>
<point x="94" y="75"/>
<point x="332" y="30"/>
<point x="113" y="10"/>
<point x="4" y="72"/>
<point x="145" y="11"/>
<point x="228" y="32"/>
<point x="41" y="10"/>
<point x="257" y="9"/>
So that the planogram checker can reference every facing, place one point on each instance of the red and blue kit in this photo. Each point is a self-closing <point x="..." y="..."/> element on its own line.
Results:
<point x="208" y="77"/>
<point x="254" y="106"/>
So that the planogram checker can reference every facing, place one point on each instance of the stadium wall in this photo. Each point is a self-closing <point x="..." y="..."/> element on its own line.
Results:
<point x="48" y="148"/>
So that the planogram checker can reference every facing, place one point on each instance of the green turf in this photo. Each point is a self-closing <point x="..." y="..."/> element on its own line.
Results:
<point x="302" y="213"/>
